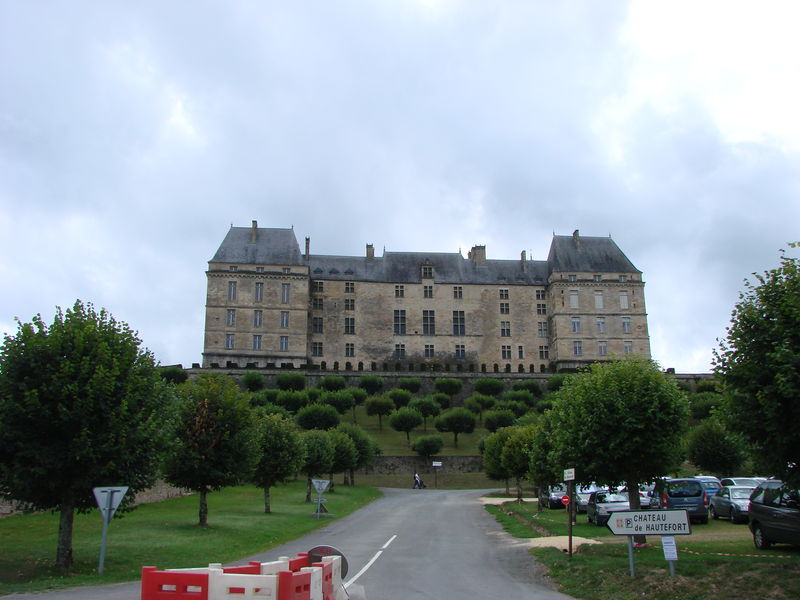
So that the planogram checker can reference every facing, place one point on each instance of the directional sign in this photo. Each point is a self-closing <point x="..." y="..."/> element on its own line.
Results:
<point x="650" y="522"/>
<point x="320" y="484"/>
<point x="109" y="499"/>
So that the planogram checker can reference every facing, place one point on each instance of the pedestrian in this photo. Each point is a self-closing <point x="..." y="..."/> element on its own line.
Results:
<point x="417" y="482"/>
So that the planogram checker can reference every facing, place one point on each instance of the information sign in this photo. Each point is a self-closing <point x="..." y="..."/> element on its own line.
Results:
<point x="670" y="548"/>
<point x="569" y="474"/>
<point x="650" y="522"/>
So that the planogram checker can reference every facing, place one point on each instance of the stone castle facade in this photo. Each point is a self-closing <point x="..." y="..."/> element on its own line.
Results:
<point x="269" y="304"/>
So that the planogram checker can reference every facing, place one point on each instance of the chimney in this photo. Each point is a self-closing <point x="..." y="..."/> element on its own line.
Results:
<point x="253" y="232"/>
<point x="370" y="252"/>
<point x="478" y="255"/>
<point x="576" y="238"/>
<point x="308" y="246"/>
<point x="523" y="259"/>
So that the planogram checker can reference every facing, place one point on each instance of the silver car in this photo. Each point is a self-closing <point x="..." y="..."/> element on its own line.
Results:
<point x="602" y="503"/>
<point x="731" y="502"/>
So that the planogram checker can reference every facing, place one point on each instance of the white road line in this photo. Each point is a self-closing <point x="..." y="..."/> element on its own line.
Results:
<point x="370" y="563"/>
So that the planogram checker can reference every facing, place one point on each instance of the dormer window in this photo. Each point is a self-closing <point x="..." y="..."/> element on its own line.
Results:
<point x="427" y="271"/>
<point x="233" y="268"/>
<point x="572" y="278"/>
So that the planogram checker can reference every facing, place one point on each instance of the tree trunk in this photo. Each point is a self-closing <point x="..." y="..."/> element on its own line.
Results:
<point x="64" y="547"/>
<point x="538" y="495"/>
<point x="203" y="508"/>
<point x="267" y="508"/>
<point x="352" y="476"/>
<point x="330" y="487"/>
<point x="635" y="503"/>
<point x="507" y="488"/>
<point x="455" y="440"/>
<point x="519" y="489"/>
<point x="308" y="489"/>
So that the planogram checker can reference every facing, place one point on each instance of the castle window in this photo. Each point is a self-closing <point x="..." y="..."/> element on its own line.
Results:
<point x="233" y="268"/>
<point x="428" y="350"/>
<point x="350" y="350"/>
<point x="399" y="291"/>
<point x="506" y="352"/>
<point x="259" y="269"/>
<point x="349" y="287"/>
<point x="542" y="328"/>
<point x="316" y="303"/>
<point x="350" y="325"/>
<point x="520" y="352"/>
<point x="623" y="278"/>
<point x="623" y="300"/>
<point x="544" y="352"/>
<point x="231" y="290"/>
<point x="317" y="325"/>
<point x="317" y="286"/>
<point x="458" y="292"/>
<point x="283" y="343"/>
<point x="601" y="325"/>
<point x="627" y="347"/>
<point x="316" y="348"/>
<point x="460" y="351"/>
<point x="626" y="324"/>
<point x="229" y="341"/>
<point x="458" y="322"/>
<point x="505" y="328"/>
<point x="577" y="348"/>
<point x="541" y="309"/>
<point x="428" y="322"/>
<point x="504" y="308"/>
<point x="572" y="278"/>
<point x="285" y="290"/>
<point x="576" y="324"/>
<point x="602" y="348"/>
<point x="503" y="293"/>
<point x="427" y="272"/>
<point x="258" y="318"/>
<point x="598" y="277"/>
<point x="573" y="299"/>
<point x="399" y="322"/>
<point x="540" y="294"/>
<point x="287" y="270"/>
<point x="230" y="319"/>
<point x="256" y="342"/>
<point x="427" y="291"/>
<point x="349" y="303"/>
<point x="285" y="319"/>
<point x="258" y="296"/>
<point x="399" y="350"/>
<point x="598" y="299"/>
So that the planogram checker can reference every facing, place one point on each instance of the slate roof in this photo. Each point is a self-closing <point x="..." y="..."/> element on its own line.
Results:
<point x="587" y="254"/>
<point x="280" y="247"/>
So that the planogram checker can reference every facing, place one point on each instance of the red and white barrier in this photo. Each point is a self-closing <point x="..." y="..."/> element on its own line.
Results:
<point x="283" y="579"/>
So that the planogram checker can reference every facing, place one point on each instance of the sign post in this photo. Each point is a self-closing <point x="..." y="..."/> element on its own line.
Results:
<point x="320" y="485"/>
<point x="569" y="478"/>
<point x="666" y="523"/>
<point x="108" y="500"/>
<point x="437" y="464"/>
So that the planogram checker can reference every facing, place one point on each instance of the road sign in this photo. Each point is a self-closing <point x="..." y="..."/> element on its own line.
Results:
<point x="108" y="500"/>
<point x="437" y="463"/>
<point x="650" y="522"/>
<point x="569" y="474"/>
<point x="320" y="500"/>
<point x="320" y="484"/>
<point x="564" y="500"/>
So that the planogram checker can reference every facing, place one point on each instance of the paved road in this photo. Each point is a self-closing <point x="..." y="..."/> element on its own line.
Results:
<point x="419" y="544"/>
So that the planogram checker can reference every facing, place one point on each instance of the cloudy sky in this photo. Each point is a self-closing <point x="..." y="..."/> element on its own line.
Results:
<point x="133" y="134"/>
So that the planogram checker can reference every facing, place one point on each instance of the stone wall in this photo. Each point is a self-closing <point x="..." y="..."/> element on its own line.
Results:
<point x="394" y="465"/>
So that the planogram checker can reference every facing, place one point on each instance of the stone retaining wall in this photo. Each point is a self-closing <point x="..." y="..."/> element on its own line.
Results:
<point x="393" y="465"/>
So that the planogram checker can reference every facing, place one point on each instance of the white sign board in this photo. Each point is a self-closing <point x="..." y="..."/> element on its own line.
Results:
<point x="670" y="549"/>
<point x="650" y="522"/>
<point x="437" y="463"/>
<point x="569" y="474"/>
<point x="320" y="484"/>
<point x="108" y="499"/>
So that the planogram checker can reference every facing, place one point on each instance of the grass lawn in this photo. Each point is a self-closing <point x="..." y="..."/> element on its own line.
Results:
<point x="716" y="560"/>
<point x="164" y="534"/>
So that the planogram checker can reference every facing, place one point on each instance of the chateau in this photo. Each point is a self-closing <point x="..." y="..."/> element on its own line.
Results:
<point x="269" y="304"/>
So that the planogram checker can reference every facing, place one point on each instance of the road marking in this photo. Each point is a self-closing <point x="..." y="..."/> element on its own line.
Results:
<point x="370" y="563"/>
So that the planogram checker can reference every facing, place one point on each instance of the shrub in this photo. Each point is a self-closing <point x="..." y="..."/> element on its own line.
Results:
<point x="381" y="406"/>
<point x="427" y="407"/>
<point x="292" y="400"/>
<point x="399" y="397"/>
<point x="264" y="397"/>
<point x="252" y="381"/>
<point x="332" y="383"/>
<point x="317" y="416"/>
<point x="555" y="382"/>
<point x="702" y="404"/>
<point x="448" y="385"/>
<point x="173" y="374"/>
<point x="411" y="384"/>
<point x="518" y="408"/>
<point x="359" y="395"/>
<point x="341" y="400"/>
<point x="371" y="383"/>
<point x="706" y="385"/>
<point x="442" y="399"/>
<point x="428" y="445"/>
<point x="405" y="419"/>
<point x="291" y="381"/>
<point x="529" y="385"/>
<point x="495" y="419"/>
<point x="313" y="394"/>
<point x="523" y="396"/>
<point x="456" y="421"/>
<point x="489" y="387"/>
<point x="273" y="409"/>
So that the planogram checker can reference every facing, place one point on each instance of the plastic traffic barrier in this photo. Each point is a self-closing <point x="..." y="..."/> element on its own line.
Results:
<point x="294" y="585"/>
<point x="241" y="586"/>
<point x="173" y="585"/>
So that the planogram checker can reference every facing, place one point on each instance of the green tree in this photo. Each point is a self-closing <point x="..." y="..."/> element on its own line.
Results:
<point x="631" y="411"/>
<point x="478" y="403"/>
<point x="405" y="419"/>
<point x="81" y="405"/>
<point x="341" y="400"/>
<point x="712" y="447"/>
<point x="518" y="408"/>
<point x="427" y="407"/>
<point x="495" y="419"/>
<point x="291" y="381"/>
<point x="448" y="385"/>
<point x="366" y="447"/>
<point x="456" y="421"/>
<point x="515" y="455"/>
<point x="264" y="397"/>
<point x="280" y="452"/>
<point x="381" y="406"/>
<point x="540" y="468"/>
<point x="292" y="400"/>
<point x="371" y="383"/>
<point x="317" y="416"/>
<point x="528" y="385"/>
<point x="489" y="386"/>
<point x="400" y="397"/>
<point x="492" y="449"/>
<point x="252" y="381"/>
<point x="359" y="396"/>
<point x="319" y="456"/>
<point x="173" y="374"/>
<point x="759" y="366"/>
<point x="556" y="382"/>
<point x="345" y="454"/>
<point x="410" y="384"/>
<point x="332" y="383"/>
<point x="214" y="438"/>
<point x="427" y="446"/>
<point x="523" y="396"/>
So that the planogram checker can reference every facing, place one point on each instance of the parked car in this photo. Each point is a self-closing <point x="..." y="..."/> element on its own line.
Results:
<point x="684" y="494"/>
<point x="710" y="484"/>
<point x="647" y="499"/>
<point x="774" y="515"/>
<point x="602" y="503"/>
<point x="583" y="492"/>
<point x="731" y="501"/>
<point x="744" y="481"/>
<point x="551" y="497"/>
